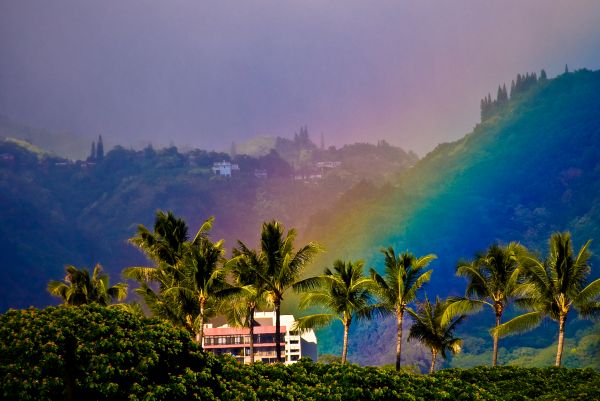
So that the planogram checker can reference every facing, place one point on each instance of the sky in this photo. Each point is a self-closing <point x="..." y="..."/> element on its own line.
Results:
<point x="209" y="73"/>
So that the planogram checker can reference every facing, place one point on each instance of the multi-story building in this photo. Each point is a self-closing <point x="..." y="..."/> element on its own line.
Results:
<point x="235" y="340"/>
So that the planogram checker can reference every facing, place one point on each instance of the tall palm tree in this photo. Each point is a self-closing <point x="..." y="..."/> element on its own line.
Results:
<point x="79" y="288"/>
<point x="201" y="284"/>
<point x="345" y="293"/>
<point x="164" y="245"/>
<point x="252" y="295"/>
<point x="187" y="279"/>
<point x="553" y="287"/>
<point x="404" y="276"/>
<point x="433" y="330"/>
<point x="493" y="281"/>
<point x="281" y="267"/>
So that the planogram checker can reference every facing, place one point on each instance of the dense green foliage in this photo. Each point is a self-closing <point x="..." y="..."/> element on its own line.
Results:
<point x="106" y="354"/>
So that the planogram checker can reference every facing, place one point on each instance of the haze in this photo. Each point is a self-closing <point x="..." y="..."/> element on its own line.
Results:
<point x="208" y="73"/>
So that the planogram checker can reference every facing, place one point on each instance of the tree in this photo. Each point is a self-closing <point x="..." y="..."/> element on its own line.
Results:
<point x="433" y="330"/>
<point x="404" y="276"/>
<point x="281" y="267"/>
<point x="492" y="280"/>
<point x="252" y="295"/>
<point x="201" y="284"/>
<point x="100" y="149"/>
<point x="553" y="286"/>
<point x="79" y="288"/>
<point x="186" y="281"/>
<point x="92" y="156"/>
<point x="345" y="294"/>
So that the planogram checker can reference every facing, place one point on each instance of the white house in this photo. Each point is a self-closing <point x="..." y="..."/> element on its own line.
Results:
<point x="224" y="168"/>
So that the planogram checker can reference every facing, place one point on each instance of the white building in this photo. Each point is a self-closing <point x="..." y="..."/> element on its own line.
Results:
<point x="322" y="165"/>
<point x="235" y="340"/>
<point x="224" y="168"/>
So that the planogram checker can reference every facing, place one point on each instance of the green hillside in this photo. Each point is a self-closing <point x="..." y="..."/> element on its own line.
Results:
<point x="528" y="170"/>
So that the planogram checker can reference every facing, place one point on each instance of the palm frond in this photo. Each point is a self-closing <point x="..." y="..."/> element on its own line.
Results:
<point x="519" y="324"/>
<point x="315" y="321"/>
<point x="590" y="293"/>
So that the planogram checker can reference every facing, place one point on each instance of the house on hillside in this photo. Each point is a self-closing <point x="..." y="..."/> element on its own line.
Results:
<point x="224" y="168"/>
<point x="235" y="340"/>
<point x="260" y="173"/>
<point x="328" y="164"/>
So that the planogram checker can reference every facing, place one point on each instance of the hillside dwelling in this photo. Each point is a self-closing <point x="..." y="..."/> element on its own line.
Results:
<point x="260" y="173"/>
<point x="323" y="165"/>
<point x="235" y="340"/>
<point x="224" y="168"/>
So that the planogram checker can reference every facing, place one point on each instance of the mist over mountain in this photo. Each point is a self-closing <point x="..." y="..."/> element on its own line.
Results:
<point x="56" y="211"/>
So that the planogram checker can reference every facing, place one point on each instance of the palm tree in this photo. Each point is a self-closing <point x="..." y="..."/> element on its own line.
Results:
<point x="492" y="280"/>
<point x="553" y="286"/>
<point x="78" y="288"/>
<point x="344" y="292"/>
<point x="201" y="284"/>
<point x="404" y="276"/>
<point x="186" y="275"/>
<point x="252" y="295"/>
<point x="281" y="267"/>
<point x="164" y="245"/>
<point x="433" y="330"/>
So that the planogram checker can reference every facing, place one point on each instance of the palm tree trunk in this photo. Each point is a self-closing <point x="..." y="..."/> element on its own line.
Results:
<point x="251" y="313"/>
<point x="433" y="356"/>
<point x="400" y="317"/>
<point x="277" y="328"/>
<point x="345" y="346"/>
<point x="495" y="351"/>
<point x="200" y="335"/>
<point x="561" y="338"/>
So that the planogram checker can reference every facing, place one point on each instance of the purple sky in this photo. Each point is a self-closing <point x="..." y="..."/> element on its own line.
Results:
<point x="206" y="73"/>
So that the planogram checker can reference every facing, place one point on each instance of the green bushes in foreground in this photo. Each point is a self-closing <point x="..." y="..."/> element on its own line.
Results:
<point x="91" y="352"/>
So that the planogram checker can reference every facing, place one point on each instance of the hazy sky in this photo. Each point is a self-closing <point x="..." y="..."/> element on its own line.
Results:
<point x="206" y="73"/>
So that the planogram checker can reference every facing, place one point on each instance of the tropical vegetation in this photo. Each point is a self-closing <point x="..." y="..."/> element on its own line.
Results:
<point x="80" y="288"/>
<point x="554" y="286"/>
<point x="404" y="276"/>
<point x="279" y="267"/>
<point x="344" y="293"/>
<point x="434" y="329"/>
<point x="188" y="279"/>
<point x="493" y="280"/>
<point x="92" y="352"/>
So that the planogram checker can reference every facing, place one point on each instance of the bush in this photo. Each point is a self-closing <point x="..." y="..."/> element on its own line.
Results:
<point x="97" y="353"/>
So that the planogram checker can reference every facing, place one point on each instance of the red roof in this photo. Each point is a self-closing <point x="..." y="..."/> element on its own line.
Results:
<point x="232" y="331"/>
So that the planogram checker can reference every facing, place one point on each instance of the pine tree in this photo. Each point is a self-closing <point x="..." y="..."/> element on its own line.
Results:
<point x="543" y="75"/>
<point x="92" y="156"/>
<point x="566" y="68"/>
<point x="100" y="149"/>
